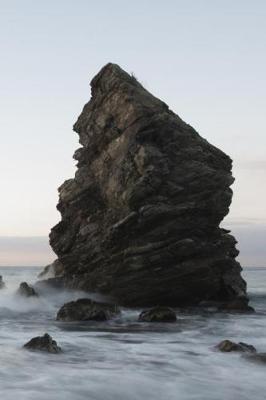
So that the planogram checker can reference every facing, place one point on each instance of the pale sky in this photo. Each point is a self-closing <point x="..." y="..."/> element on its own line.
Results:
<point x="205" y="59"/>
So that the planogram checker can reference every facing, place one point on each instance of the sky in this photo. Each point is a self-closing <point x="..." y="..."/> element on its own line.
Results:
<point x="205" y="58"/>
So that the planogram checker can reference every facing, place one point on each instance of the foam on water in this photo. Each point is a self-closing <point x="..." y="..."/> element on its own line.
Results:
<point x="124" y="359"/>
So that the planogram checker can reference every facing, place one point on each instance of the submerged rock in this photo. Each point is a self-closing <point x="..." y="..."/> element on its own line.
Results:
<point x="140" y="219"/>
<point x="43" y="343"/>
<point x="26" y="290"/>
<point x="228" y="346"/>
<point x="158" y="314"/>
<point x="86" y="310"/>
<point x="256" y="357"/>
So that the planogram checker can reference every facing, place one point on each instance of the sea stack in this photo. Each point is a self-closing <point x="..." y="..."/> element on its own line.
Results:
<point x="140" y="219"/>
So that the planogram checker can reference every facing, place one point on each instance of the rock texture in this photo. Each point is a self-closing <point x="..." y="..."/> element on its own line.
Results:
<point x="43" y="343"/>
<point x="158" y="314"/>
<point x="226" y="346"/>
<point x="86" y="310"/>
<point x="140" y="220"/>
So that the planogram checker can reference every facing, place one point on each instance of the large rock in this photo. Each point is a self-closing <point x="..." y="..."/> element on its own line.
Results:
<point x="86" y="310"/>
<point x="140" y="219"/>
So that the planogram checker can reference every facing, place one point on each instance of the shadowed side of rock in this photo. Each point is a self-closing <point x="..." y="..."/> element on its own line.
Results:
<point x="140" y="219"/>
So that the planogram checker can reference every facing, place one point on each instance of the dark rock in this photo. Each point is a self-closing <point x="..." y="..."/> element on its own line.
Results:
<point x="26" y="290"/>
<point x="86" y="310"/>
<point x="228" y="346"/>
<point x="43" y="343"/>
<point x="2" y="283"/>
<point x="158" y="314"/>
<point x="140" y="219"/>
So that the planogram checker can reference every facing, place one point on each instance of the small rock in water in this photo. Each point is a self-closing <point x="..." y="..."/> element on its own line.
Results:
<point x="86" y="310"/>
<point x="43" y="343"/>
<point x="26" y="290"/>
<point x="2" y="283"/>
<point x="227" y="346"/>
<point x="158" y="314"/>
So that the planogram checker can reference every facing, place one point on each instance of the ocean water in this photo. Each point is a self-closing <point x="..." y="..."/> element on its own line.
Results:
<point x="124" y="359"/>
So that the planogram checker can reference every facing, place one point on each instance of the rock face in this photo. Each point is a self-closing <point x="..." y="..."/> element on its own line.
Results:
<point x="158" y="314"/>
<point x="43" y="343"/>
<point x="140" y="220"/>
<point x="86" y="310"/>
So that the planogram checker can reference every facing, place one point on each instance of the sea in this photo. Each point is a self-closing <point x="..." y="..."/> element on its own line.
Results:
<point x="126" y="360"/>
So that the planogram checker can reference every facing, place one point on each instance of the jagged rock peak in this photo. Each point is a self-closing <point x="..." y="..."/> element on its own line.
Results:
<point x="111" y="76"/>
<point x="140" y="219"/>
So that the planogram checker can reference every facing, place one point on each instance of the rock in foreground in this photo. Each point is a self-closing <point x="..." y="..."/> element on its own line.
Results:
<point x="43" y="343"/>
<point x="158" y="314"/>
<point x="228" y="346"/>
<point x="140" y="220"/>
<point x="26" y="290"/>
<point x="86" y="310"/>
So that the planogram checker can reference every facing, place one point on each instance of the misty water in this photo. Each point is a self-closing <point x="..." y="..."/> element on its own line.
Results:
<point x="124" y="359"/>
